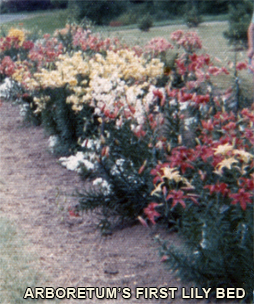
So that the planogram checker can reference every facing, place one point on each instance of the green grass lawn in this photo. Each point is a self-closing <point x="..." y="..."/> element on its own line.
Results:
<point x="49" y="21"/>
<point x="17" y="266"/>
<point x="46" y="22"/>
<point x="16" y="272"/>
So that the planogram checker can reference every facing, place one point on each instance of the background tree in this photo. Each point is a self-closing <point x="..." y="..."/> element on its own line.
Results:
<point x="25" y="5"/>
<point x="169" y="8"/>
<point x="214" y="7"/>
<point x="192" y="16"/>
<point x="239" y="19"/>
<point x="59" y="3"/>
<point x="100" y="12"/>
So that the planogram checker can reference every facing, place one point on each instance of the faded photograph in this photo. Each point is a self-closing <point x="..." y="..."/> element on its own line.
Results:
<point x="126" y="151"/>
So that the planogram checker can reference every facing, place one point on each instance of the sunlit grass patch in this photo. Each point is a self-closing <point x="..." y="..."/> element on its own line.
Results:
<point x="17" y="272"/>
<point x="46" y="22"/>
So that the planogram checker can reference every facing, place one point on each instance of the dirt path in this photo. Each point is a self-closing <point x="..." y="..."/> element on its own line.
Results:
<point x="71" y="251"/>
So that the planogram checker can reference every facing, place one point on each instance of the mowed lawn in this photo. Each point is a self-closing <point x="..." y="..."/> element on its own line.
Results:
<point x="17" y="272"/>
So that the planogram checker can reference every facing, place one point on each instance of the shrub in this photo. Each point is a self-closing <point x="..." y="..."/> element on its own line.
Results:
<point x="100" y="12"/>
<point x="239" y="20"/>
<point x="115" y="23"/>
<point x="25" y="5"/>
<point x="214" y="7"/>
<point x="146" y="23"/>
<point x="170" y="8"/>
<point x="59" y="3"/>
<point x="130" y="17"/>
<point x="192" y="17"/>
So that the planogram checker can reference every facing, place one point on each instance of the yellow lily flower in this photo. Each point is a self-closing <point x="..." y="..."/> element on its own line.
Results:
<point x="223" y="149"/>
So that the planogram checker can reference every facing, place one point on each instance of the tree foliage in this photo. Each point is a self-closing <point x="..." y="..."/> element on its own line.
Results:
<point x="59" y="3"/>
<point x="100" y="12"/>
<point x="25" y="5"/>
<point x="239" y="20"/>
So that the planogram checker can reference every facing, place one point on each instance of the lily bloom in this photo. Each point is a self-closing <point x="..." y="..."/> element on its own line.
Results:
<point x="151" y="213"/>
<point x="218" y="188"/>
<point x="241" y="66"/>
<point x="247" y="113"/>
<point x="242" y="198"/>
<point x="248" y="184"/>
<point x="177" y="197"/>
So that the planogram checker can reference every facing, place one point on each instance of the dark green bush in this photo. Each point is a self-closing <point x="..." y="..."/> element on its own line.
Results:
<point x="146" y="23"/>
<point x="130" y="17"/>
<point x="214" y="7"/>
<point x="100" y="12"/>
<point x="172" y="8"/>
<point x="239" y="20"/>
<point x="192" y="17"/>
<point x="59" y="3"/>
<point x="11" y="6"/>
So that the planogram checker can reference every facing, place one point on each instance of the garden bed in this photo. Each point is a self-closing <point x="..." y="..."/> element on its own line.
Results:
<point x="70" y="251"/>
<point x="169" y="145"/>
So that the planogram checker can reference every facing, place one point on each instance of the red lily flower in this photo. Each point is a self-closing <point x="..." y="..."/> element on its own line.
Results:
<point x="248" y="114"/>
<point x="160" y="95"/>
<point x="182" y="96"/>
<point x="181" y="68"/>
<point x="105" y="151"/>
<point x="204" y="152"/>
<point x="151" y="213"/>
<point x="177" y="197"/>
<point x="241" y="66"/>
<point x="181" y="157"/>
<point x="223" y="117"/>
<point x="201" y="99"/>
<point x="206" y="139"/>
<point x="216" y="160"/>
<point x="238" y="142"/>
<point x="247" y="183"/>
<point x="248" y="133"/>
<point x="218" y="188"/>
<point x="152" y="121"/>
<point x="208" y="125"/>
<point x="139" y="132"/>
<point x="242" y="197"/>
<point x="230" y="126"/>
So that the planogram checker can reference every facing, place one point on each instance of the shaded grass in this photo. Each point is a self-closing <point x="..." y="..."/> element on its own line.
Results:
<point x="17" y="271"/>
<point x="49" y="21"/>
<point x="45" y="22"/>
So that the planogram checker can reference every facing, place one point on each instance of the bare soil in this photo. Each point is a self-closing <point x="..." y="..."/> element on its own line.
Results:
<point x="71" y="252"/>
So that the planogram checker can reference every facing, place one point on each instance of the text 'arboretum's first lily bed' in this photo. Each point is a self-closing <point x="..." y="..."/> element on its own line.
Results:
<point x="160" y="141"/>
